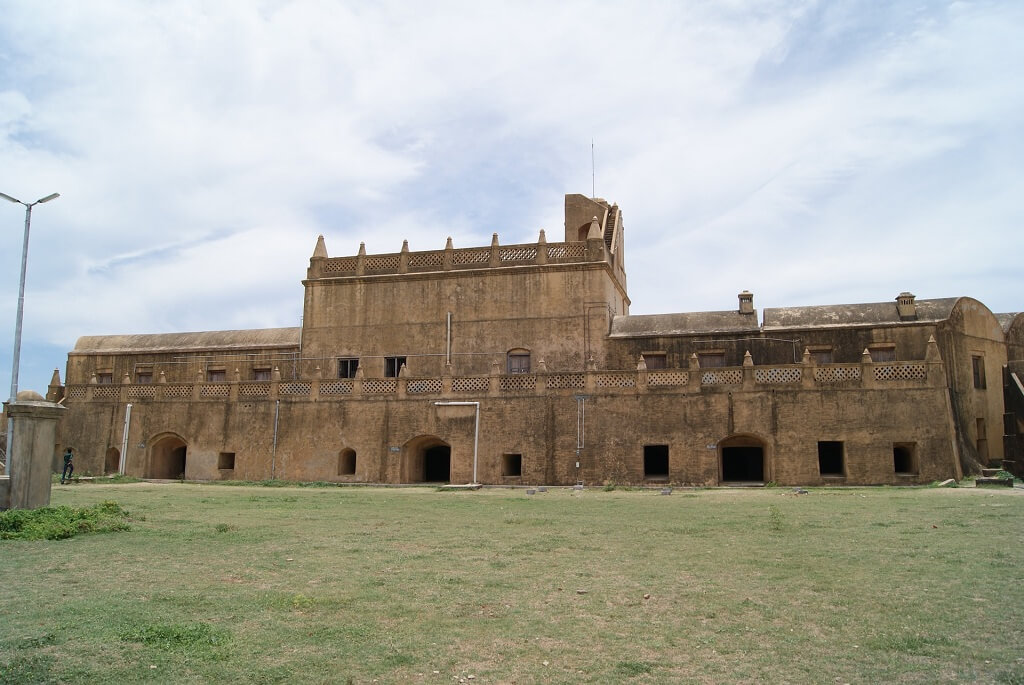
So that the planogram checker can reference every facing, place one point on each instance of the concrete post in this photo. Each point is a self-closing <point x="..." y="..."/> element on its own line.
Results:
<point x="29" y="464"/>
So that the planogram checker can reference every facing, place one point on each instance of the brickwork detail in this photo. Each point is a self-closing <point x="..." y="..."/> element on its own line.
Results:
<point x="836" y="374"/>
<point x="775" y="375"/>
<point x="472" y="384"/>
<point x="900" y="372"/>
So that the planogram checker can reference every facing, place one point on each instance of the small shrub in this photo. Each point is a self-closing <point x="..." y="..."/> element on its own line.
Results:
<point x="59" y="523"/>
<point x="776" y="522"/>
<point x="175" y="636"/>
<point x="609" y="485"/>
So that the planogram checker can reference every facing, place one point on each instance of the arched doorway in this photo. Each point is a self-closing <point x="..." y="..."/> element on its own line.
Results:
<point x="742" y="459"/>
<point x="427" y="459"/>
<point x="167" y="458"/>
<point x="112" y="461"/>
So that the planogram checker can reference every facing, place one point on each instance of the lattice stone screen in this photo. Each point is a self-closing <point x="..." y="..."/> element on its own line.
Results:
<point x="76" y="393"/>
<point x="425" y="259"/>
<point x="106" y="392"/>
<point x="788" y="375"/>
<point x="178" y="391"/>
<point x="836" y="374"/>
<point x="218" y="390"/>
<point x="471" y="256"/>
<point x="422" y="386"/>
<point x="727" y="377"/>
<point x="567" y="251"/>
<point x="562" y="381"/>
<point x="141" y="392"/>
<point x="382" y="263"/>
<point x="343" y="387"/>
<point x="615" y="380"/>
<point x="472" y="384"/>
<point x="517" y="254"/>
<point x="340" y="265"/>
<point x="254" y="390"/>
<point x="519" y="381"/>
<point x="900" y="372"/>
<point x="377" y="386"/>
<point x="294" y="388"/>
<point x="665" y="378"/>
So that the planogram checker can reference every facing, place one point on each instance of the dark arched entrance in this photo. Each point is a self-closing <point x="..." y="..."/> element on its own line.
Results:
<point x="428" y="459"/>
<point x="112" y="461"/>
<point x="167" y="458"/>
<point x="742" y="459"/>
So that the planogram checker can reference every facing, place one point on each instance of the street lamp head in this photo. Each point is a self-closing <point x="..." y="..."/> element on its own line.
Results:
<point x="9" y="198"/>
<point x="52" y="196"/>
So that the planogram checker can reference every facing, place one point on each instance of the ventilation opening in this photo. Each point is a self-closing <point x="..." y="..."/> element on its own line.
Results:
<point x="226" y="461"/>
<point x="656" y="462"/>
<point x="112" y="460"/>
<point x="437" y="464"/>
<point x="904" y="458"/>
<point x="743" y="464"/>
<point x="511" y="465"/>
<point x="347" y="462"/>
<point x="830" y="458"/>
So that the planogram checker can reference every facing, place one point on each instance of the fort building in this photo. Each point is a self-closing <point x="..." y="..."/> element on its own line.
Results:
<point x="521" y="364"/>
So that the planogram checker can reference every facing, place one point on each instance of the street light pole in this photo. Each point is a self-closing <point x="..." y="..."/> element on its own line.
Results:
<point x="21" y="310"/>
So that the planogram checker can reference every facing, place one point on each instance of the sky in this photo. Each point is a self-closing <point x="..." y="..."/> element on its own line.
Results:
<point x="811" y="152"/>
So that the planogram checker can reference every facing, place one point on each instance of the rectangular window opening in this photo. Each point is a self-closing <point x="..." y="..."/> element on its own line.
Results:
<point x="347" y="367"/>
<point x="518" y="362"/>
<point x="105" y="377"/>
<point x="392" y="366"/>
<point x="347" y="462"/>
<point x="711" y="360"/>
<point x="656" y="462"/>
<point x="216" y="375"/>
<point x="655" y="360"/>
<point x="821" y="355"/>
<point x="904" y="458"/>
<point x="882" y="353"/>
<point x="978" y="367"/>
<point x="144" y="377"/>
<point x="512" y="465"/>
<point x="830" y="458"/>
<point x="226" y="461"/>
<point x="261" y="374"/>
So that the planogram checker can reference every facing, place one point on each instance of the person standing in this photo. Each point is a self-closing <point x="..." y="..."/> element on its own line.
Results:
<point x="69" y="466"/>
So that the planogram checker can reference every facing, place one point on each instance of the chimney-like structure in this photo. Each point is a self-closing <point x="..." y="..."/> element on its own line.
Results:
<point x="905" y="305"/>
<point x="746" y="302"/>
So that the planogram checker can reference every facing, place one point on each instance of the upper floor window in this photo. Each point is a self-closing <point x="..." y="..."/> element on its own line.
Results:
<point x="347" y="367"/>
<point x="518" y="361"/>
<point x="978" y="367"/>
<point x="711" y="360"/>
<point x="882" y="353"/>
<point x="655" y="360"/>
<point x="821" y="355"/>
<point x="105" y="377"/>
<point x="392" y="366"/>
<point x="262" y="374"/>
<point x="144" y="377"/>
<point x="216" y="375"/>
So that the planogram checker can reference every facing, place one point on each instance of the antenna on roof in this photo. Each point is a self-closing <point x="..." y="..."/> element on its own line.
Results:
<point x="593" y="181"/>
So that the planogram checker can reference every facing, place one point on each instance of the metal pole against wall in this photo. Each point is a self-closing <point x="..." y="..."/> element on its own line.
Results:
<point x="273" y="455"/>
<point x="124" y="439"/>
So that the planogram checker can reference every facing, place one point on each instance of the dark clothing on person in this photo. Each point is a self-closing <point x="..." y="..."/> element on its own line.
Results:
<point x="69" y="466"/>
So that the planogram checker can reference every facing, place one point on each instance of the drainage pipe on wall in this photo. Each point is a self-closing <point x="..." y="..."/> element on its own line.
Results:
<point x="124" y="438"/>
<point x="273" y="455"/>
<point x="448" y="346"/>
<point x="476" y="428"/>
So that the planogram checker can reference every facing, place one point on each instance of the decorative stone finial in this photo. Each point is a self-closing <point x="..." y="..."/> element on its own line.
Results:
<point x="126" y="379"/>
<point x="542" y="366"/>
<point x="237" y="375"/>
<point x="641" y="365"/>
<point x="595" y="229"/>
<point x="405" y="246"/>
<point x="865" y="357"/>
<point x="55" y="378"/>
<point x="494" y="240"/>
<point x="320" y="251"/>
<point x="542" y="238"/>
<point x="448" y="243"/>
<point x="162" y="379"/>
<point x="403" y="372"/>
<point x="931" y="353"/>
<point x="275" y="375"/>
<point x="747" y="359"/>
<point x="694" y="361"/>
<point x="808" y="359"/>
<point x="362" y="250"/>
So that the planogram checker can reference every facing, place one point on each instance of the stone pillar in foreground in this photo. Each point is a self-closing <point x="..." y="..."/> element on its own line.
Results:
<point x="29" y="464"/>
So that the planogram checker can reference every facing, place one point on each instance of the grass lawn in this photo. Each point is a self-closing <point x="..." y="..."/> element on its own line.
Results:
<point x="258" y="584"/>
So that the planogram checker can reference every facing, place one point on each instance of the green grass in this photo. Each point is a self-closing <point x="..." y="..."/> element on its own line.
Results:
<point x="60" y="523"/>
<point x="250" y="584"/>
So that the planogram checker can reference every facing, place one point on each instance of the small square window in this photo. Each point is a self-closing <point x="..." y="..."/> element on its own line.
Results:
<point x="216" y="375"/>
<point x="518" y="362"/>
<point x="821" y="355"/>
<point x="261" y="374"/>
<point x="830" y="458"/>
<point x="105" y="377"/>
<point x="226" y="461"/>
<point x="392" y="366"/>
<point x="711" y="360"/>
<point x="144" y="377"/>
<point x="347" y="367"/>
<point x="511" y="465"/>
